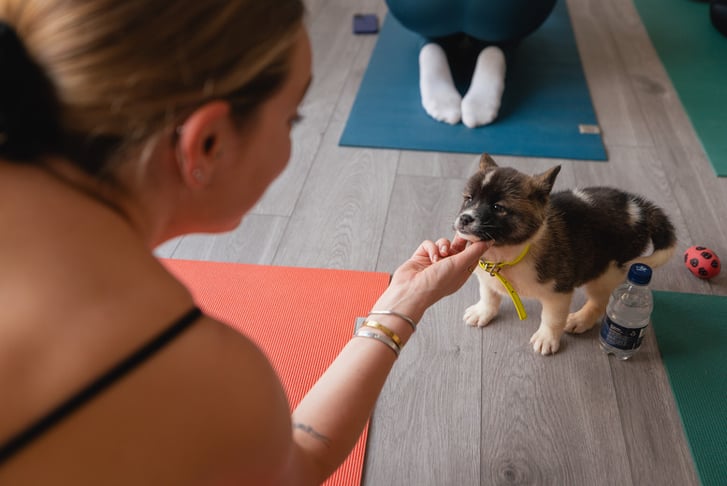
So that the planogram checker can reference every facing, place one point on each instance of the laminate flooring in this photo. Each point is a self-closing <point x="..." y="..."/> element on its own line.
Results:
<point x="468" y="406"/>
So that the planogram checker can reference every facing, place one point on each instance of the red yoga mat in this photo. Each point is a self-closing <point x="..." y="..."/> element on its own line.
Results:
<point x="300" y="317"/>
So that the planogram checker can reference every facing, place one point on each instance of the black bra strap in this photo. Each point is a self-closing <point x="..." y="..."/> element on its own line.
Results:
<point x="20" y="440"/>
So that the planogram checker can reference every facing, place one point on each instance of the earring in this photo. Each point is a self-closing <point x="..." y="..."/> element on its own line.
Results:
<point x="197" y="174"/>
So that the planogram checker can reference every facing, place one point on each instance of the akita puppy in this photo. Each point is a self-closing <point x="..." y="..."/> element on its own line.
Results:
<point x="545" y="245"/>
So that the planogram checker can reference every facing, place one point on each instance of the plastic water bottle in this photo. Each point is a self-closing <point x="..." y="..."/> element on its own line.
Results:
<point x="628" y="314"/>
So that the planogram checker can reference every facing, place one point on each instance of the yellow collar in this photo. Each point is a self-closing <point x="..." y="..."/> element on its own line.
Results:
<point x="493" y="268"/>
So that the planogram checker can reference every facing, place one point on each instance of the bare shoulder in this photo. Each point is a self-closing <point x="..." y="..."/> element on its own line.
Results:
<point x="207" y="408"/>
<point x="232" y="401"/>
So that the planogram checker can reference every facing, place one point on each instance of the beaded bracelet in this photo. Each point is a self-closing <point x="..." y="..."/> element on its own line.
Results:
<point x="381" y="338"/>
<point x="408" y="319"/>
<point x="377" y="325"/>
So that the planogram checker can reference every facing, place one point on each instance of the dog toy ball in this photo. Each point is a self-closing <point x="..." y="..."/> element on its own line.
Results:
<point x="702" y="262"/>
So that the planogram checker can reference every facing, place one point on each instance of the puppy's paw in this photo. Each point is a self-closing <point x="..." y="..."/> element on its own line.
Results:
<point x="479" y="314"/>
<point x="580" y="322"/>
<point x="545" y="341"/>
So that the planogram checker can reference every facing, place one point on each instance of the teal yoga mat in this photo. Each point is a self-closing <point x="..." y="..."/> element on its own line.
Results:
<point x="691" y="331"/>
<point x="545" y="103"/>
<point x="694" y="54"/>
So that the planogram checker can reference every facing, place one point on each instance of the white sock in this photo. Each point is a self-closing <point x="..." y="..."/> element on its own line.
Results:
<point x="440" y="97"/>
<point x="482" y="101"/>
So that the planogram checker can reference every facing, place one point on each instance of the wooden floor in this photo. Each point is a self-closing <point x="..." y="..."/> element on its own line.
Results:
<point x="466" y="406"/>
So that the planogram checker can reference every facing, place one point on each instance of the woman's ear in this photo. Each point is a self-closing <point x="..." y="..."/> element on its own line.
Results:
<point x="200" y="141"/>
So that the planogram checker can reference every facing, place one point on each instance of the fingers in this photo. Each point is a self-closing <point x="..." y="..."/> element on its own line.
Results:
<point x="456" y="269"/>
<point x="427" y="249"/>
<point x="443" y="245"/>
<point x="459" y="244"/>
<point x="470" y="256"/>
<point x="435" y="251"/>
<point x="447" y="248"/>
<point x="443" y="248"/>
<point x="437" y="270"/>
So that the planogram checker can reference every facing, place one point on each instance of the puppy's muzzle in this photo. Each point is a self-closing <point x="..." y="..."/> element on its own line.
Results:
<point x="464" y="220"/>
<point x="465" y="224"/>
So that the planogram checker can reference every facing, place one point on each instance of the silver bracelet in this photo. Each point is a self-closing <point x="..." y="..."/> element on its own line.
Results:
<point x="381" y="338"/>
<point x="408" y="319"/>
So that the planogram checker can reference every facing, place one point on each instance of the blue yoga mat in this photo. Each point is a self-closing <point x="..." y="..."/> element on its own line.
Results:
<point x="545" y="103"/>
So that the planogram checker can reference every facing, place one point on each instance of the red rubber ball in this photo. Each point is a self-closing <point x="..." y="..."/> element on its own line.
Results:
<point x="702" y="262"/>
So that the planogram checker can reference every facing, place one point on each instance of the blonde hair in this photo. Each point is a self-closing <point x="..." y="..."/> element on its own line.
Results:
<point x="124" y="70"/>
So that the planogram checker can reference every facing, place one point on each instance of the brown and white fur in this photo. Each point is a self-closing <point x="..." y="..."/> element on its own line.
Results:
<point x="583" y="237"/>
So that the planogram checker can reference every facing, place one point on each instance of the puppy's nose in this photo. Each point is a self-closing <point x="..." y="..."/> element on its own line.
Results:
<point x="465" y="219"/>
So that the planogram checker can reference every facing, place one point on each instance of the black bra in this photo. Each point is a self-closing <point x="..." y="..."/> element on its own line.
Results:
<point x="17" y="442"/>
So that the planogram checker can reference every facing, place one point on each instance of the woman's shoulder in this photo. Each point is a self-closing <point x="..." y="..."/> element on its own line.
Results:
<point x="81" y="295"/>
<point x="221" y="398"/>
<point x="207" y="400"/>
<point x="208" y="404"/>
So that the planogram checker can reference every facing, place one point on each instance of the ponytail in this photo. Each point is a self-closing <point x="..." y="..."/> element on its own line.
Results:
<point x="29" y="109"/>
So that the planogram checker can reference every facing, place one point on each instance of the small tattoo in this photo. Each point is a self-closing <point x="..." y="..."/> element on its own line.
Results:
<point x="312" y="432"/>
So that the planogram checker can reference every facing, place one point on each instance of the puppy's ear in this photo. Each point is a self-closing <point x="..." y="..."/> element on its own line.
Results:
<point x="486" y="161"/>
<point x="546" y="180"/>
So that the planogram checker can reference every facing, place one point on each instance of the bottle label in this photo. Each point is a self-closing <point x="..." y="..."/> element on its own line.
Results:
<point x="626" y="338"/>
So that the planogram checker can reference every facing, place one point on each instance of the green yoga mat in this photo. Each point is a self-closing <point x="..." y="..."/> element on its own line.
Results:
<point x="694" y="54"/>
<point x="545" y="103"/>
<point x="691" y="331"/>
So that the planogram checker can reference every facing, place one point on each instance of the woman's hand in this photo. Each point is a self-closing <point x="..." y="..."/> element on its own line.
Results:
<point x="435" y="270"/>
<point x="336" y="409"/>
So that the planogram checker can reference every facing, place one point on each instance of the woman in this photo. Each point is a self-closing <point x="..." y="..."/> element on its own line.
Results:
<point x="122" y="125"/>
<point x="472" y="37"/>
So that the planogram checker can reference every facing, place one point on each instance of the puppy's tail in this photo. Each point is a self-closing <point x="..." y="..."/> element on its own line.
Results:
<point x="663" y="236"/>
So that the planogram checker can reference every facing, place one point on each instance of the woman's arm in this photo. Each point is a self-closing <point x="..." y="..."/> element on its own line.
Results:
<point x="331" y="417"/>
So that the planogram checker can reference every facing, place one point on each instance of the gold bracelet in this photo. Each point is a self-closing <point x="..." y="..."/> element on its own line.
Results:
<point x="381" y="338"/>
<point x="408" y="319"/>
<point x="377" y="325"/>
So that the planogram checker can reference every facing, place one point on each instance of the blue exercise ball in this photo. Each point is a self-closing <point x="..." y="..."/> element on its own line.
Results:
<point x="492" y="21"/>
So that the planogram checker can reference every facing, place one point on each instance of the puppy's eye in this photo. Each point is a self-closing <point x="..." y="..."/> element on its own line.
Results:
<point x="467" y="198"/>
<point x="499" y="209"/>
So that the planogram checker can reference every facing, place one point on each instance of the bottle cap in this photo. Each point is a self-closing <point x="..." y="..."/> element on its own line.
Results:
<point x="640" y="274"/>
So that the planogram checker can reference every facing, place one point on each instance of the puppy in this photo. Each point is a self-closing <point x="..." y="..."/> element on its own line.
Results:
<point x="545" y="245"/>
